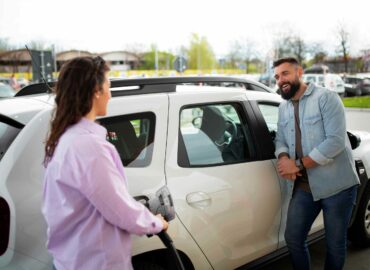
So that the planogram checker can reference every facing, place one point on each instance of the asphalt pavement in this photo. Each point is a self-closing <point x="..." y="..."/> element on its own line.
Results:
<point x="357" y="258"/>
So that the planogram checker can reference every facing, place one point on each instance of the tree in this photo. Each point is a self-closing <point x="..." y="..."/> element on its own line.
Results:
<point x="200" y="53"/>
<point x="39" y="45"/>
<point x="298" y="48"/>
<point x="5" y="45"/>
<point x="316" y="52"/>
<point x="290" y="45"/>
<point x="165" y="59"/>
<point x="241" y="53"/>
<point x="343" y="36"/>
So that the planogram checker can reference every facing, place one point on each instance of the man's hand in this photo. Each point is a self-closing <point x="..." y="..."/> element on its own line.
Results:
<point x="287" y="168"/>
<point x="292" y="177"/>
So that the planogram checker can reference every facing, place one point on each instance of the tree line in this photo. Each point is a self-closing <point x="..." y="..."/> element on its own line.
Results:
<point x="243" y="53"/>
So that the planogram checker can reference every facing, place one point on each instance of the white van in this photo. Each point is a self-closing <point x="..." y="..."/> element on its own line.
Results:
<point x="331" y="81"/>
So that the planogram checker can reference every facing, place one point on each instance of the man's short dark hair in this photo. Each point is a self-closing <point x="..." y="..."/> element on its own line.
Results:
<point x="290" y="60"/>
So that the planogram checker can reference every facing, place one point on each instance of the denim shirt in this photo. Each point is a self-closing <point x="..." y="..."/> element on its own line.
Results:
<point x="324" y="139"/>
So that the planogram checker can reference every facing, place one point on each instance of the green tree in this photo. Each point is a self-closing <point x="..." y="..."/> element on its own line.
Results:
<point x="165" y="60"/>
<point x="200" y="53"/>
<point x="317" y="53"/>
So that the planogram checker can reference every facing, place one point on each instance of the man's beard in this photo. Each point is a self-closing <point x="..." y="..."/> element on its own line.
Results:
<point x="294" y="87"/>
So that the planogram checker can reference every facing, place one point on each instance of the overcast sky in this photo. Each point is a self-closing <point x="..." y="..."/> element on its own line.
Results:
<point x="108" y="25"/>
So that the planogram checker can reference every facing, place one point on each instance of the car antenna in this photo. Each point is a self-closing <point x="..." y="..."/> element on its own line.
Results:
<point x="48" y="88"/>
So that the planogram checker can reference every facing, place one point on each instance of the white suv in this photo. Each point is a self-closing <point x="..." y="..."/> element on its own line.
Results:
<point x="331" y="81"/>
<point x="212" y="146"/>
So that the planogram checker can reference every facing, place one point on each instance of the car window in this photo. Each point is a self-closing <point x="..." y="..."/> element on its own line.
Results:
<point x="6" y="91"/>
<point x="7" y="135"/>
<point x="308" y="79"/>
<point x="321" y="80"/>
<point x="213" y="134"/>
<point x="133" y="137"/>
<point x="270" y="113"/>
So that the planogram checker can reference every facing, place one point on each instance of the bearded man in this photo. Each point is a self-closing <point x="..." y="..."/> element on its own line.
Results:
<point x="315" y="156"/>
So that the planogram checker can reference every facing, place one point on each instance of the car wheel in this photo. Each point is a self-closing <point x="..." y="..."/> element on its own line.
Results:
<point x="358" y="92"/>
<point x="359" y="233"/>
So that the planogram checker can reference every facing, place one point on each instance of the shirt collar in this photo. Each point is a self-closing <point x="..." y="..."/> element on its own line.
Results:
<point x="310" y="88"/>
<point x="93" y="127"/>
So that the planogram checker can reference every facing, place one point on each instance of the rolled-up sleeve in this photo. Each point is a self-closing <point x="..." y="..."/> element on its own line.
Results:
<point x="332" y="112"/>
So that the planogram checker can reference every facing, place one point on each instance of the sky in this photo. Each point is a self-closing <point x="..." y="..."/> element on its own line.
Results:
<point x="101" y="26"/>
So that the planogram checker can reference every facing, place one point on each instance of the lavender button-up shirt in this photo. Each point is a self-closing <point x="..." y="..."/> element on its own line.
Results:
<point x="86" y="204"/>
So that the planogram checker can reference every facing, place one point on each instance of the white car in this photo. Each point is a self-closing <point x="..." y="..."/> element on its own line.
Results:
<point x="331" y="81"/>
<point x="211" y="146"/>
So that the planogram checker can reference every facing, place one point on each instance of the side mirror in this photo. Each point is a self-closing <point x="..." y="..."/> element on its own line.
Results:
<point x="354" y="140"/>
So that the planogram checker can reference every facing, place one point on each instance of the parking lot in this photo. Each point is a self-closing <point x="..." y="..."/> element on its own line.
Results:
<point x="357" y="259"/>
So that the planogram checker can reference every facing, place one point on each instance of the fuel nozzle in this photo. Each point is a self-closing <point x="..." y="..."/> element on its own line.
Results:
<point x="162" y="203"/>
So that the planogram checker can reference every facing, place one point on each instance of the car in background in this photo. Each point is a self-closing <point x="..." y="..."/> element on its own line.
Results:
<point x="5" y="80"/>
<point x="23" y="82"/>
<point x="331" y="81"/>
<point x="6" y="91"/>
<point x="356" y="85"/>
<point x="267" y="79"/>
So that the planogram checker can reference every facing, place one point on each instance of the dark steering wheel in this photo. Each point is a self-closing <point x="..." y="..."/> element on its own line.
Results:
<point x="230" y="134"/>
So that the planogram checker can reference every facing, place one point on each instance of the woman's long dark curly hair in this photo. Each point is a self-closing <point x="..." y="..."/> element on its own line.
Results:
<point x="77" y="83"/>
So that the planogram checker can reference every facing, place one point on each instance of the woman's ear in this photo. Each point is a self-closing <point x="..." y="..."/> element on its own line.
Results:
<point x="97" y="92"/>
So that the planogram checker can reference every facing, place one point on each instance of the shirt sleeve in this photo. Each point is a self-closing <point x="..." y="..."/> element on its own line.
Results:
<point x="333" y="116"/>
<point x="106" y="190"/>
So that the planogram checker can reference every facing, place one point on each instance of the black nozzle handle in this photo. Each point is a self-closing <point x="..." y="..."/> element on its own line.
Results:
<point x="168" y="242"/>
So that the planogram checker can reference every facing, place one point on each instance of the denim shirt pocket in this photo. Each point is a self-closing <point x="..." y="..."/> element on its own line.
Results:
<point x="314" y="127"/>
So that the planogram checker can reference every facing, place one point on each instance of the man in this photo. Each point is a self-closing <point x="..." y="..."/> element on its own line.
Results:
<point x="314" y="155"/>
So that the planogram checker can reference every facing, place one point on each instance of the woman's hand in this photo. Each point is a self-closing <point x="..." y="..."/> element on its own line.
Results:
<point x="165" y="223"/>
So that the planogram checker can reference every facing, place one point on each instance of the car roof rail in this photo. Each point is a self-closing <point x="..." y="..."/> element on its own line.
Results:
<point x="7" y="120"/>
<point x="123" y="87"/>
<point x="35" y="88"/>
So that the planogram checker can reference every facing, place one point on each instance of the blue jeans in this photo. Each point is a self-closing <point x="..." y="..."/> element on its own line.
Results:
<point x="303" y="211"/>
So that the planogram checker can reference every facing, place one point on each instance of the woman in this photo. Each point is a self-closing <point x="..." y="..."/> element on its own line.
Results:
<point x="86" y="204"/>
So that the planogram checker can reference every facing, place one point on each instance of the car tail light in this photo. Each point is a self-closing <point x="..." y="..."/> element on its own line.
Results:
<point x="4" y="225"/>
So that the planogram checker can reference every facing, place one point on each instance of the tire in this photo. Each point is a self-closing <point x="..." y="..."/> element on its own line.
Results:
<point x="359" y="233"/>
<point x="147" y="266"/>
<point x="358" y="92"/>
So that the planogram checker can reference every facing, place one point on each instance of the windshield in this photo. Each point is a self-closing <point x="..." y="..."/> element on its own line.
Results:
<point x="6" y="91"/>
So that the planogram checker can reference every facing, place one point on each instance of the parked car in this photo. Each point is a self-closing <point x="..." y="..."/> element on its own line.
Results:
<point x="6" y="91"/>
<point x="356" y="86"/>
<point x="331" y="81"/>
<point x="5" y="80"/>
<point x="267" y="79"/>
<point x="213" y="147"/>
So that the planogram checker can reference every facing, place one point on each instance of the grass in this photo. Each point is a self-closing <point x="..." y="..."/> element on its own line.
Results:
<point x="357" y="102"/>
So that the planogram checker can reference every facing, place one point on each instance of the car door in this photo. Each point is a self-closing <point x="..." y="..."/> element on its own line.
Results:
<point x="227" y="200"/>
<point x="134" y="130"/>
<point x="268" y="111"/>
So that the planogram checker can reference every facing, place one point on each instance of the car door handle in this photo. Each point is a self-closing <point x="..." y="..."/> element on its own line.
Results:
<point x="198" y="199"/>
